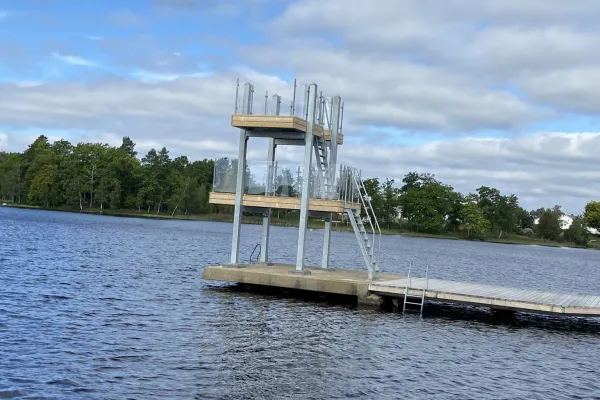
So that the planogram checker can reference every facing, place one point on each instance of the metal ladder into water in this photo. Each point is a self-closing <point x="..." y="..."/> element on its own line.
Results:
<point x="417" y="300"/>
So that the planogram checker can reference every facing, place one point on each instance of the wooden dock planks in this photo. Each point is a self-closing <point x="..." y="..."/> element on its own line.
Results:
<point x="493" y="296"/>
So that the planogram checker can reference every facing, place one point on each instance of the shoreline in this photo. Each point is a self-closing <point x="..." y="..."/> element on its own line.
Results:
<point x="312" y="224"/>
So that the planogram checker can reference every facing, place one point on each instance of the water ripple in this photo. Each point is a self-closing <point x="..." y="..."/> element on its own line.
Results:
<point x="99" y="307"/>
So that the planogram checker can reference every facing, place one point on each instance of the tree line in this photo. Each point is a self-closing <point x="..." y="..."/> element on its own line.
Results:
<point x="95" y="175"/>
<point x="99" y="176"/>
<point x="424" y="204"/>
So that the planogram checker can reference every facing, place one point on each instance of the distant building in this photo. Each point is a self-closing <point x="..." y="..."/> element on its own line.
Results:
<point x="565" y="223"/>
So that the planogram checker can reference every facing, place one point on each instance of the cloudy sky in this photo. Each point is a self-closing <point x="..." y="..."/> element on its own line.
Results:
<point x="478" y="92"/>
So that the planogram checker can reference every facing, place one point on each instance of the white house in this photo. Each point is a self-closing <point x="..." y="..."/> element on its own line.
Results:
<point x="565" y="223"/>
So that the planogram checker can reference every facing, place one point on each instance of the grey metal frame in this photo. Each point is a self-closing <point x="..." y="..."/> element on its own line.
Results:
<point x="348" y="186"/>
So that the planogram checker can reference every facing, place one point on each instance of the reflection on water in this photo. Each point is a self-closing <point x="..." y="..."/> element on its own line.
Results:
<point x="99" y="307"/>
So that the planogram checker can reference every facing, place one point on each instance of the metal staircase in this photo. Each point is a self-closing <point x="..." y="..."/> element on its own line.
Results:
<point x="368" y="242"/>
<point x="415" y="300"/>
<point x="324" y="173"/>
<point x="322" y="151"/>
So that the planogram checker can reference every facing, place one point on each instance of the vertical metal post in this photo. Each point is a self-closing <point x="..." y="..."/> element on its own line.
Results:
<point x="346" y="183"/>
<point x="277" y="102"/>
<point x="293" y="105"/>
<point x="308" y="148"/>
<point x="251" y="99"/>
<point x="298" y="182"/>
<point x="239" y="194"/>
<point x="237" y="94"/>
<point x="264" y="254"/>
<point x="335" y="126"/>
<point x="326" y="241"/>
<point x="342" y="118"/>
<point x="266" y="102"/>
<point x="340" y="184"/>
<point x="321" y="109"/>
<point x="335" y="114"/>
<point x="306" y="101"/>
<point x="247" y="99"/>
<point x="241" y="176"/>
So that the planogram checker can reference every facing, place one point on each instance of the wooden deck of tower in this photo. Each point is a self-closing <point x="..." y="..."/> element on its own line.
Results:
<point x="355" y="283"/>
<point x="279" y="123"/>
<point x="280" y="202"/>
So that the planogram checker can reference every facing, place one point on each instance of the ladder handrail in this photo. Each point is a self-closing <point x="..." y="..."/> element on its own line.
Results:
<point x="360" y="196"/>
<point x="369" y="210"/>
<point x="376" y="222"/>
<point x="352" y="216"/>
<point x="258" y="255"/>
<point x="425" y="288"/>
<point x="408" y="286"/>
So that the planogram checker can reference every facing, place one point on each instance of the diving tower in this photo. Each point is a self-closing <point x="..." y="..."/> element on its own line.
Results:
<point x="316" y="187"/>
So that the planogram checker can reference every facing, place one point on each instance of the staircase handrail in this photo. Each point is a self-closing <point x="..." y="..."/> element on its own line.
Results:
<point x="364" y="204"/>
<point x="376" y="224"/>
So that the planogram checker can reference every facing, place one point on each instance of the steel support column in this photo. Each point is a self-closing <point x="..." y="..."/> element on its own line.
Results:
<point x="335" y="126"/>
<point x="264" y="253"/>
<point x="326" y="242"/>
<point x="308" y="149"/>
<point x="239" y="195"/>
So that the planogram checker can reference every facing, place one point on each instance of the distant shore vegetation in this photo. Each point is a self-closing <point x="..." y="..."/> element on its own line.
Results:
<point x="96" y="177"/>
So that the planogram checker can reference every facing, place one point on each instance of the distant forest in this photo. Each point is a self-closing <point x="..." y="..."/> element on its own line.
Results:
<point x="98" y="176"/>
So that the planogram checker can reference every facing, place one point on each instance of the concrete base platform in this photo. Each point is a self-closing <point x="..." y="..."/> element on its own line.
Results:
<point x="327" y="281"/>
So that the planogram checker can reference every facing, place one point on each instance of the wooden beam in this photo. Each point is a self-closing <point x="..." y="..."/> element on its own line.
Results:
<point x="280" y="202"/>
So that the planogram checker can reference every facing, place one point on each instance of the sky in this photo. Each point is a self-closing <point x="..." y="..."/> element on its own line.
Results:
<point x="477" y="92"/>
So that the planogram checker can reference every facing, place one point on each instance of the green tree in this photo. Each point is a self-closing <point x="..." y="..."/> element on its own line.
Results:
<point x="428" y="206"/>
<point x="501" y="211"/>
<point x="592" y="214"/>
<point x="11" y="172"/>
<point x="43" y="189"/>
<point x="524" y="219"/>
<point x="473" y="220"/>
<point x="373" y="188"/>
<point x="416" y="180"/>
<point x="549" y="224"/>
<point x="577" y="232"/>
<point x="390" y="202"/>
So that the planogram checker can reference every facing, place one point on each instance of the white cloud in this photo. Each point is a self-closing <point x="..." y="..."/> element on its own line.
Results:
<point x="542" y="169"/>
<point x="148" y="76"/>
<point x="94" y="37"/>
<point x="74" y="60"/>
<point x="3" y="142"/>
<point x="380" y="91"/>
<point x="28" y="83"/>
<point x="454" y="70"/>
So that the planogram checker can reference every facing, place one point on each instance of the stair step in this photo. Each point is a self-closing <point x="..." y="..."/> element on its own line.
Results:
<point x="414" y="304"/>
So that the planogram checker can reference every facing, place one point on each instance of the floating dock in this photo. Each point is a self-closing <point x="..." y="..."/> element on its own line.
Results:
<point x="284" y="276"/>
<point x="393" y="286"/>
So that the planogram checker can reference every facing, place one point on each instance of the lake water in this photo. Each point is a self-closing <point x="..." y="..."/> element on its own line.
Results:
<point x="98" y="307"/>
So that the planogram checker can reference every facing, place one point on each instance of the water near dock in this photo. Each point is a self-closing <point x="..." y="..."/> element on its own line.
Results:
<point x="98" y="307"/>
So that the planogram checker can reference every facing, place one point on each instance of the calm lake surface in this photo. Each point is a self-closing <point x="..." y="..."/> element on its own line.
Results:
<point x="98" y="307"/>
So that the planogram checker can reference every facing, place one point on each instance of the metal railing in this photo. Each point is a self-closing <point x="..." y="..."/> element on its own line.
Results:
<point x="284" y="179"/>
<point x="248" y="101"/>
<point x="355" y="192"/>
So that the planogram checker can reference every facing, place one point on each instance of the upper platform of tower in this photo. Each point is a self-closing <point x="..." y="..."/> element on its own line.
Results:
<point x="274" y="114"/>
